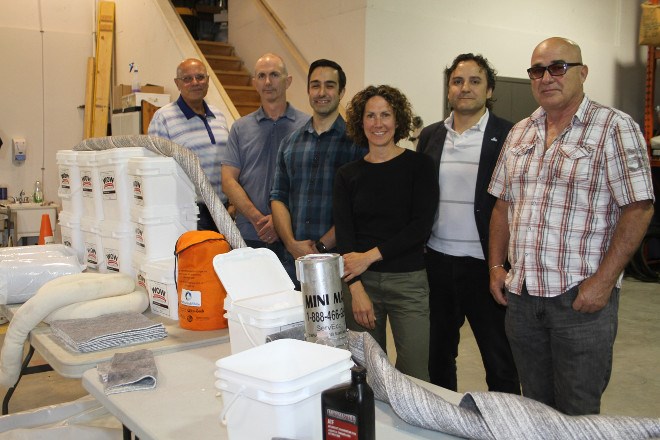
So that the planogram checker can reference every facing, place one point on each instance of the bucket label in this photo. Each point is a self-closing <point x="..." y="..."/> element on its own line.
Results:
<point x="138" y="197"/>
<point x="109" y="189"/>
<point x="141" y="280"/>
<point x="112" y="260"/>
<point x="191" y="298"/>
<point x="65" y="180"/>
<point x="86" y="183"/>
<point x="139" y="237"/>
<point x="92" y="259"/>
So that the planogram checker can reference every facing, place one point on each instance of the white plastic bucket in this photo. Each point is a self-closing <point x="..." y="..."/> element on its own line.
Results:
<point x="93" y="256"/>
<point x="159" y="181"/>
<point x="279" y="385"/>
<point x="157" y="229"/>
<point x="116" y="185"/>
<point x="163" y="298"/>
<point x="118" y="244"/>
<point x="260" y="297"/>
<point x="69" y="190"/>
<point x="72" y="235"/>
<point x="138" y="263"/>
<point x="90" y="184"/>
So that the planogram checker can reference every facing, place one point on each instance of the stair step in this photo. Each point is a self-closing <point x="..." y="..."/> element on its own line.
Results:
<point x="245" y="108"/>
<point x="242" y="93"/>
<point x="224" y="62"/>
<point x="234" y="77"/>
<point x="215" y="48"/>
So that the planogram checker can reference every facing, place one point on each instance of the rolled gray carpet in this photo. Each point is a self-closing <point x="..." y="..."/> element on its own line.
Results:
<point x="486" y="415"/>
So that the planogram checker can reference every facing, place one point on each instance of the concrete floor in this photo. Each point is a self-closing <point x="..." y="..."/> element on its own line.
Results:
<point x="634" y="389"/>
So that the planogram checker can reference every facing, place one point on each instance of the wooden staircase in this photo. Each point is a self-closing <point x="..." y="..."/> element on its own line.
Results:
<point x="231" y="71"/>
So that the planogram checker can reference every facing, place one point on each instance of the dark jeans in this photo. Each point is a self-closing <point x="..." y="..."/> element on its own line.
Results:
<point x="459" y="289"/>
<point x="564" y="357"/>
<point x="282" y="254"/>
<point x="205" y="222"/>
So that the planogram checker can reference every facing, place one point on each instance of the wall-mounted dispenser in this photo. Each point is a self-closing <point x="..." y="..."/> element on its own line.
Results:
<point x="20" y="147"/>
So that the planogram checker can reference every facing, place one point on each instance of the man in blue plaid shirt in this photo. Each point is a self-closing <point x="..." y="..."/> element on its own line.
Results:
<point x="301" y="197"/>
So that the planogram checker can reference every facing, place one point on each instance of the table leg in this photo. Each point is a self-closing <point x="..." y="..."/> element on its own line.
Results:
<point x="24" y="370"/>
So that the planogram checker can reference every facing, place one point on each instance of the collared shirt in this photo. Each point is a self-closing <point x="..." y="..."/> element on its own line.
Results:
<point x="565" y="202"/>
<point x="252" y="148"/>
<point x="305" y="174"/>
<point x="205" y="135"/>
<point x="455" y="229"/>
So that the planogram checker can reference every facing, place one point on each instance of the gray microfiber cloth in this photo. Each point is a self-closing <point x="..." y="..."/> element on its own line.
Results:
<point x="131" y="371"/>
<point x="295" y="332"/>
<point x="486" y="415"/>
<point x="107" y="331"/>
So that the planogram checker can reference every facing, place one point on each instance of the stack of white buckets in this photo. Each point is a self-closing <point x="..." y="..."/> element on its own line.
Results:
<point x="123" y="210"/>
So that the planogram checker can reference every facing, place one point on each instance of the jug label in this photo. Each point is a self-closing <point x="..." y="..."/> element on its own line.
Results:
<point x="340" y="425"/>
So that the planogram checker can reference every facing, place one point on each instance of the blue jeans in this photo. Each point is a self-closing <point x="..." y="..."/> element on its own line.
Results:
<point x="282" y="254"/>
<point x="564" y="357"/>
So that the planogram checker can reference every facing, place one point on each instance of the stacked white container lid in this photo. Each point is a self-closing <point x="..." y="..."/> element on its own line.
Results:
<point x="162" y="208"/>
<point x="69" y="191"/>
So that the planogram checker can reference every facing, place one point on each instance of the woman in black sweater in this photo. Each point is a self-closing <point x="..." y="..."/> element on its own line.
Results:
<point x="383" y="207"/>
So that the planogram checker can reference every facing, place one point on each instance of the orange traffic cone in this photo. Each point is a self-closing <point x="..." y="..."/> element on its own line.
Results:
<point x="46" y="232"/>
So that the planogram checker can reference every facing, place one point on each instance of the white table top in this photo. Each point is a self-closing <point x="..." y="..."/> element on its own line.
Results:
<point x="72" y="364"/>
<point x="186" y="404"/>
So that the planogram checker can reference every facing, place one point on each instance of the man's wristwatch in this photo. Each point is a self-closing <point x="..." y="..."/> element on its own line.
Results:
<point x="321" y="247"/>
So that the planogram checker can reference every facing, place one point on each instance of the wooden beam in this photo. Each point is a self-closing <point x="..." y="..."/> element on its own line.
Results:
<point x="89" y="99"/>
<point x="104" y="42"/>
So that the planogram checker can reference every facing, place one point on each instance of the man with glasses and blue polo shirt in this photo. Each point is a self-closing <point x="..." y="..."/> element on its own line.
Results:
<point x="575" y="198"/>
<point x="196" y="125"/>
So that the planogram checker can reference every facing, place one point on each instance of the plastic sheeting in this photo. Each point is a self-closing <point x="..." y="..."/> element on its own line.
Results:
<point x="24" y="269"/>
<point x="84" y="418"/>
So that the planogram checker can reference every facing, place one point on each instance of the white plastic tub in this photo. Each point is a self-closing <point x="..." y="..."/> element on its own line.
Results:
<point x="159" y="181"/>
<point x="69" y="190"/>
<point x="157" y="230"/>
<point x="260" y="297"/>
<point x="163" y="298"/>
<point x="274" y="390"/>
<point x="93" y="256"/>
<point x="118" y="244"/>
<point x="90" y="184"/>
<point x="116" y="184"/>
<point x="72" y="235"/>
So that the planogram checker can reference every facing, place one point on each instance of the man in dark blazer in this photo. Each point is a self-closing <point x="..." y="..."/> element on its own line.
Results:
<point x="465" y="148"/>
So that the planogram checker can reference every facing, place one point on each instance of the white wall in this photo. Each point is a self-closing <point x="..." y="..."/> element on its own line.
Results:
<point x="404" y="43"/>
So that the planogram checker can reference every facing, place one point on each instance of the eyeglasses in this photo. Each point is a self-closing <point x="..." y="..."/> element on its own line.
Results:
<point x="199" y="78"/>
<point x="554" y="69"/>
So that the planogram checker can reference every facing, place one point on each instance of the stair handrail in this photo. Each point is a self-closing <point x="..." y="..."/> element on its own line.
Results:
<point x="280" y="30"/>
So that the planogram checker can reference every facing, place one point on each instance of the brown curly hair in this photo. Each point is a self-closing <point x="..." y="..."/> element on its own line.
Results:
<point x="403" y="114"/>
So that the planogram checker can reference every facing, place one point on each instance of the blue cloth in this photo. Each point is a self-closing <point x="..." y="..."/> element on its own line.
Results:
<point x="252" y="148"/>
<point x="205" y="135"/>
<point x="305" y="174"/>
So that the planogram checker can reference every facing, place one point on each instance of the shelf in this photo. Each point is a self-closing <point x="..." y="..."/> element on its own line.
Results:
<point x="650" y="115"/>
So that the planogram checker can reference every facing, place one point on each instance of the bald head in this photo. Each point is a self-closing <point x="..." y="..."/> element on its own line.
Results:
<point x="272" y="59"/>
<point x="187" y="63"/>
<point x="566" y="46"/>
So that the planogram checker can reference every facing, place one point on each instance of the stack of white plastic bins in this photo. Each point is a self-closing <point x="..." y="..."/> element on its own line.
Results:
<point x="70" y="194"/>
<point x="162" y="208"/>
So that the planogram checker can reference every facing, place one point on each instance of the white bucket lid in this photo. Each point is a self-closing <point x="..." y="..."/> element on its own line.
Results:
<point x="121" y="155"/>
<point x="284" y="371"/>
<point x="117" y="229"/>
<point x="68" y="219"/>
<point x="161" y="270"/>
<point x="67" y="157"/>
<point x="164" y="213"/>
<point x="86" y="158"/>
<point x="248" y="273"/>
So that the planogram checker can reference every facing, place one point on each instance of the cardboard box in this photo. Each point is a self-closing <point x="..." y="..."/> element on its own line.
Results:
<point x="121" y="90"/>
<point x="135" y="99"/>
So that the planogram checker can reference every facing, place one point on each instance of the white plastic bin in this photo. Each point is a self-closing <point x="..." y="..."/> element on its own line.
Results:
<point x="158" y="228"/>
<point x="90" y="184"/>
<point x="160" y="181"/>
<point x="260" y="297"/>
<point x="163" y="298"/>
<point x="116" y="185"/>
<point x="274" y="390"/>
<point x="138" y="262"/>
<point x="118" y="245"/>
<point x="72" y="235"/>
<point x="69" y="190"/>
<point x="91" y="232"/>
